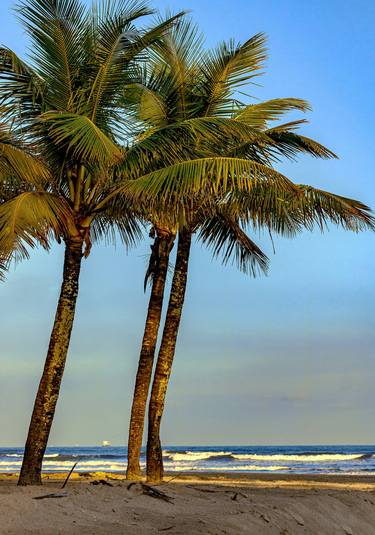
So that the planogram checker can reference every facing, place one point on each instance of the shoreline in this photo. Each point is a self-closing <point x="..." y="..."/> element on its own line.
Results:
<point x="308" y="481"/>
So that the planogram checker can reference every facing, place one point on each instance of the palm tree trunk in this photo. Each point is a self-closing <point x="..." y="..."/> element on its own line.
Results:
<point x="165" y="359"/>
<point x="49" y="387"/>
<point x="161" y="249"/>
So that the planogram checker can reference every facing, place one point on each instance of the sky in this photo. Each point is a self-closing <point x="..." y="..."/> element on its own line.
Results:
<point x="282" y="359"/>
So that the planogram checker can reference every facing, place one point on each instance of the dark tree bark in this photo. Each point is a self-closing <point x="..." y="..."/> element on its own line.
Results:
<point x="161" y="250"/>
<point x="49" y="386"/>
<point x="165" y="359"/>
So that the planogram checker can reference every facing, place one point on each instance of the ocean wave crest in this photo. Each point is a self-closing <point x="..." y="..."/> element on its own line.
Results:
<point x="318" y="457"/>
<point x="197" y="455"/>
<point x="233" y="468"/>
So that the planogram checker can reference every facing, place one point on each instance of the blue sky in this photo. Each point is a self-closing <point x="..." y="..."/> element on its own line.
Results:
<point x="282" y="359"/>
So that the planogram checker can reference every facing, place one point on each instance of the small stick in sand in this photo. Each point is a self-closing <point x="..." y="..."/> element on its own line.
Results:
<point x="53" y="495"/>
<point x="68" y="476"/>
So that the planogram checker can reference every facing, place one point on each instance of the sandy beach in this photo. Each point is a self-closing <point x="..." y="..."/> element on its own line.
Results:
<point x="204" y="504"/>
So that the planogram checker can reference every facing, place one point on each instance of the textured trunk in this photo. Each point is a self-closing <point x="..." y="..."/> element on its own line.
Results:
<point x="49" y="387"/>
<point x="165" y="359"/>
<point x="161" y="248"/>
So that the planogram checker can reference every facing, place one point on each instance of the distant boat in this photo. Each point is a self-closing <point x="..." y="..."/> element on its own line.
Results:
<point x="106" y="443"/>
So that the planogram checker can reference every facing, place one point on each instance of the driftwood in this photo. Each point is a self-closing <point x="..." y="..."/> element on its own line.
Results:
<point x="52" y="495"/>
<point x="152" y="492"/>
<point x="101" y="482"/>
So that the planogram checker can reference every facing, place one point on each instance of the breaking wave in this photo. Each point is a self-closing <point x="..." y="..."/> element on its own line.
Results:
<point x="196" y="455"/>
<point x="317" y="457"/>
<point x="287" y="459"/>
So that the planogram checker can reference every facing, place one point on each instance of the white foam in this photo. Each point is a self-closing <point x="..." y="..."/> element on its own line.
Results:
<point x="196" y="455"/>
<point x="64" y="465"/>
<point x="235" y="468"/>
<point x="321" y="457"/>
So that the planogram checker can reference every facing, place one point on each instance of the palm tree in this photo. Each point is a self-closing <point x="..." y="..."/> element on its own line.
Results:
<point x="68" y="102"/>
<point x="165" y="98"/>
<point x="183" y="87"/>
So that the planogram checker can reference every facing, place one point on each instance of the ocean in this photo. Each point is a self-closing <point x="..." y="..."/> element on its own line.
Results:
<point x="282" y="459"/>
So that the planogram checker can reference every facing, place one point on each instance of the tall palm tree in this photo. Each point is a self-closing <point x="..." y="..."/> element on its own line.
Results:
<point x="185" y="86"/>
<point x="68" y="101"/>
<point x="165" y="98"/>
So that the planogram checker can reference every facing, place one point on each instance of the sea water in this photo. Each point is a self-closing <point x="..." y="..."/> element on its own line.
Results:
<point x="282" y="459"/>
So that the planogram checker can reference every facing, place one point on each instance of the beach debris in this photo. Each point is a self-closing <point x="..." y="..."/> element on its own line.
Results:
<point x="142" y="488"/>
<point x="300" y="521"/>
<point x="101" y="482"/>
<point x="204" y="490"/>
<point x="236" y="494"/>
<point x="348" y="530"/>
<point x="166" y="529"/>
<point x="68" y="476"/>
<point x="52" y="495"/>
<point x="265" y="518"/>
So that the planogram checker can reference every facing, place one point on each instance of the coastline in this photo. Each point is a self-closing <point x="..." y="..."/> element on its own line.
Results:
<point x="252" y="504"/>
<point x="271" y="480"/>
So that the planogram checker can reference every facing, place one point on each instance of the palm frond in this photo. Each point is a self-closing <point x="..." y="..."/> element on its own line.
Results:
<point x="3" y="268"/>
<point x="56" y="29"/>
<point x="289" y="144"/>
<point x="288" y="214"/>
<point x="322" y="207"/>
<point x="190" y="177"/>
<point x="20" y="84"/>
<point x="82" y="138"/>
<point x="224" y="236"/>
<point x="227" y="68"/>
<point x="258" y="115"/>
<point x="16" y="160"/>
<point x="29" y="219"/>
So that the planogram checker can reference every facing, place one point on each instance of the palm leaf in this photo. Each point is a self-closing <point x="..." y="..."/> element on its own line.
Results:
<point x="322" y="207"/>
<point x="15" y="160"/>
<point x="56" y="28"/>
<point x="30" y="219"/>
<point x="224" y="236"/>
<point x="190" y="177"/>
<point x="258" y="115"/>
<point x="81" y="137"/>
<point x="289" y="144"/>
<point x="228" y="67"/>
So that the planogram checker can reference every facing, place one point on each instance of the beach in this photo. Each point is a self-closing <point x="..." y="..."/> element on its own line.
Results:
<point x="253" y="504"/>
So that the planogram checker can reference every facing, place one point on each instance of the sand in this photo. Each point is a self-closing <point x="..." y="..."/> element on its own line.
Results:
<point x="214" y="504"/>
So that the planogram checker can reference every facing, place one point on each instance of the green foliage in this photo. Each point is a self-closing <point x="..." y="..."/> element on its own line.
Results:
<point x="104" y="140"/>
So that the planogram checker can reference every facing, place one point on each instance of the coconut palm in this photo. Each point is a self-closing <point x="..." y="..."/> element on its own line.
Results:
<point x="166" y="98"/>
<point x="184" y="86"/>
<point x="68" y="103"/>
